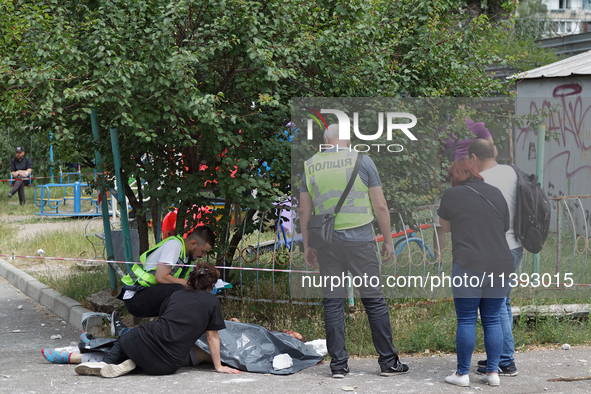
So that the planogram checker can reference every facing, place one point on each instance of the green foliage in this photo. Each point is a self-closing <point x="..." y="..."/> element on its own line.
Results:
<point x="514" y="40"/>
<point x="197" y="89"/>
<point x="531" y="7"/>
<point x="526" y="54"/>
<point x="520" y="52"/>
<point x="532" y="21"/>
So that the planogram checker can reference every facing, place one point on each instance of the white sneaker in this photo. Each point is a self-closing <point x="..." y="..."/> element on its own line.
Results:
<point x="492" y="380"/>
<point x="114" y="370"/>
<point x="462" y="380"/>
<point x="90" y="368"/>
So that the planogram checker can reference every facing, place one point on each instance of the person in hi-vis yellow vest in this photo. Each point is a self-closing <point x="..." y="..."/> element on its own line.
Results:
<point x="326" y="177"/>
<point x="163" y="270"/>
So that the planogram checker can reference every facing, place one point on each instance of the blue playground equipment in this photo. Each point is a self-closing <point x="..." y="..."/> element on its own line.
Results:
<point x="402" y="242"/>
<point x="54" y="196"/>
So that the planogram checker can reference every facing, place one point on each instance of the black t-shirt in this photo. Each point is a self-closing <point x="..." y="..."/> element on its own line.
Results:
<point x="477" y="230"/>
<point x="24" y="164"/>
<point x="184" y="317"/>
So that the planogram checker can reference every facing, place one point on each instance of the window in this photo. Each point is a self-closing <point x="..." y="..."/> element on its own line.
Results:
<point x="564" y="4"/>
<point x="560" y="27"/>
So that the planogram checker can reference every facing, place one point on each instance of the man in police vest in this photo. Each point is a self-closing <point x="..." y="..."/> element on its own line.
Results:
<point x="352" y="248"/>
<point x="160" y="274"/>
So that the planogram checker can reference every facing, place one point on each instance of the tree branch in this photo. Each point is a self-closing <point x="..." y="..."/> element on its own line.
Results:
<point x="305" y="87"/>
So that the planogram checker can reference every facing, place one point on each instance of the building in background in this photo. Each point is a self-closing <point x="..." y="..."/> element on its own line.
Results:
<point x="564" y="90"/>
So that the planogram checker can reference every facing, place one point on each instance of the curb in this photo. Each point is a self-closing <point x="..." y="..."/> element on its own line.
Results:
<point x="69" y="310"/>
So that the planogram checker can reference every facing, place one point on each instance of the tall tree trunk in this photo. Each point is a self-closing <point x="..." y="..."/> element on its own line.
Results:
<point x="143" y="232"/>
<point x="232" y="247"/>
<point x="137" y="205"/>
<point x="155" y="220"/>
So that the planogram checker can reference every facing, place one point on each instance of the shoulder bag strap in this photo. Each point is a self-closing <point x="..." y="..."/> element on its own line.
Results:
<point x="350" y="184"/>
<point x="487" y="200"/>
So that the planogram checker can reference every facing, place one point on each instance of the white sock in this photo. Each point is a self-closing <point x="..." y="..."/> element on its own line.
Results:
<point x="69" y="349"/>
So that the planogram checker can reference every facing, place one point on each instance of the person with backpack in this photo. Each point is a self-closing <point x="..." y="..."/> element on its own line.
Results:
<point x="504" y="178"/>
<point x="526" y="199"/>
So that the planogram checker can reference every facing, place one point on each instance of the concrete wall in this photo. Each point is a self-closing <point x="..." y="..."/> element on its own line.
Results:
<point x="567" y="169"/>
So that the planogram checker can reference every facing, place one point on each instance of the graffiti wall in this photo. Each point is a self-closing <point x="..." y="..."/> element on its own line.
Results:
<point x="567" y="157"/>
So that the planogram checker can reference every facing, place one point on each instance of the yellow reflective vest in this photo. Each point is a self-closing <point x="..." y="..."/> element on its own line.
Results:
<point x="139" y="276"/>
<point x="327" y="175"/>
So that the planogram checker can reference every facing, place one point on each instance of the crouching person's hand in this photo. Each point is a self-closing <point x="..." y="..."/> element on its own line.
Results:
<point x="224" y="369"/>
<point x="213" y="341"/>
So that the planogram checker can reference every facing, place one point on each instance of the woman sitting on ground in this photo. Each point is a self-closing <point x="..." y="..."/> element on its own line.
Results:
<point x="163" y="346"/>
<point x="479" y="216"/>
<point x="239" y="341"/>
<point x="73" y="355"/>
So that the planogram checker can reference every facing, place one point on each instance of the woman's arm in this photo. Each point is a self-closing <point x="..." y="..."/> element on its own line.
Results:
<point x="445" y="225"/>
<point x="213" y="341"/>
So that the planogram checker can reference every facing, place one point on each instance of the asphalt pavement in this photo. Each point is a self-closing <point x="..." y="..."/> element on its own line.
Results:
<point x="27" y="326"/>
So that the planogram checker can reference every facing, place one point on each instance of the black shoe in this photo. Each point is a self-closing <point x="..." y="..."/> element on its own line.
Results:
<point x="22" y="202"/>
<point x="397" y="369"/>
<point x="482" y="363"/>
<point x="510" y="370"/>
<point x="340" y="373"/>
<point x="116" y="324"/>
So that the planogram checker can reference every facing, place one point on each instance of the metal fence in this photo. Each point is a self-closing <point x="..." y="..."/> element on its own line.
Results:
<point x="270" y="271"/>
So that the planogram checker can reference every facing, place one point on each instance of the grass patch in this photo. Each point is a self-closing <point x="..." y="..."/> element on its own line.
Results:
<point x="431" y="326"/>
<point x="415" y="327"/>
<point x="550" y="330"/>
<point x="11" y="207"/>
<point x="7" y="231"/>
<point x="76" y="284"/>
<point x="64" y="243"/>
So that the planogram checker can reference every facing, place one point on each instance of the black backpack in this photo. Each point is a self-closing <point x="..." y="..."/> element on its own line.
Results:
<point x="532" y="212"/>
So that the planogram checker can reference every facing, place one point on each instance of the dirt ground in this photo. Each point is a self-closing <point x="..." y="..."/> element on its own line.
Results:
<point x="49" y="224"/>
<point x="30" y="230"/>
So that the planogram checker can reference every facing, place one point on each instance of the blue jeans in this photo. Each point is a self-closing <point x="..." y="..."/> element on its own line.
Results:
<point x="507" y="320"/>
<point x="124" y="331"/>
<point x="467" y="313"/>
